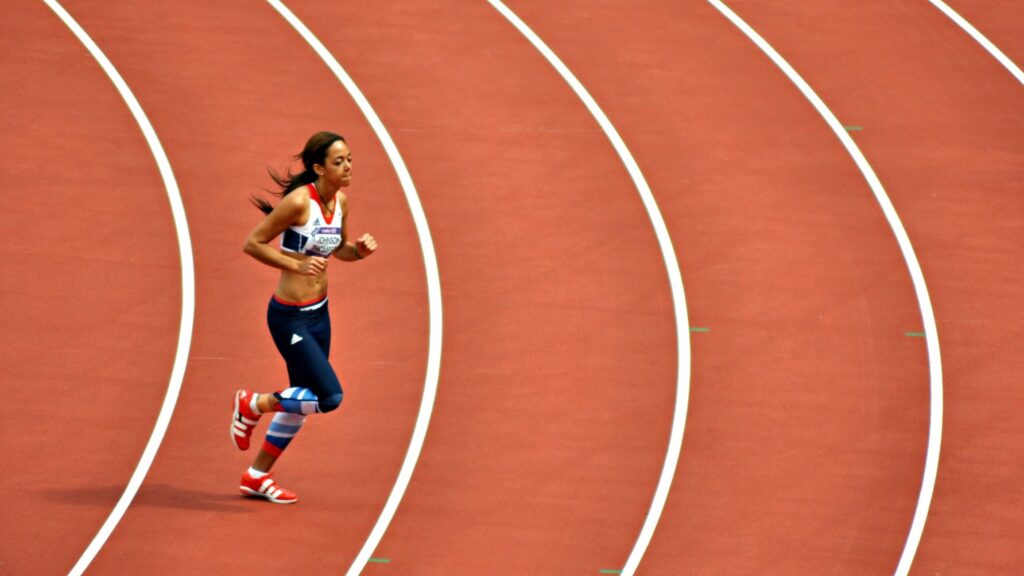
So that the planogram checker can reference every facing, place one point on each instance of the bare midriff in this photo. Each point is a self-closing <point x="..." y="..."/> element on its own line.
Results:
<point x="297" y="288"/>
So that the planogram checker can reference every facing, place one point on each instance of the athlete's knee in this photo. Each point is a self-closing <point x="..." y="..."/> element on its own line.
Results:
<point x="331" y="403"/>
<point x="297" y="401"/>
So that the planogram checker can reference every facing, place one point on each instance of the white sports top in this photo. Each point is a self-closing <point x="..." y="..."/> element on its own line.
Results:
<point x="320" y="235"/>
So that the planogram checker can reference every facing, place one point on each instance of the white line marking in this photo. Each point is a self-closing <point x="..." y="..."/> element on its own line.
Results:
<point x="675" y="282"/>
<point x="931" y="467"/>
<point x="187" y="293"/>
<point x="981" y="39"/>
<point x="433" y="289"/>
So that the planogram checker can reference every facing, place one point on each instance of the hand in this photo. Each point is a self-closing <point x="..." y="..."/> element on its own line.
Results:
<point x="312" y="266"/>
<point x="365" y="246"/>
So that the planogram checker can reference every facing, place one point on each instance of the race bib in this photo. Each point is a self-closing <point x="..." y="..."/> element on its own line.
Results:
<point x="324" y="241"/>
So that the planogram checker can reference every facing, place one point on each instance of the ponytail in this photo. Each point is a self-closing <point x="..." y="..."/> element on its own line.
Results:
<point x="315" y="152"/>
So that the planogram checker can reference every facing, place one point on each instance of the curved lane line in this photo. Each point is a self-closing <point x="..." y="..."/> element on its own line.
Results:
<point x="433" y="288"/>
<point x="931" y="467"/>
<point x="188" y="301"/>
<point x="981" y="39"/>
<point x="675" y="281"/>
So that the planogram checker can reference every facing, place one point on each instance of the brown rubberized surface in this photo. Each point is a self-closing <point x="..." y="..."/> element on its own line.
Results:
<point x="559" y="367"/>
<point x="998" y="21"/>
<point x="808" y="416"/>
<point x="554" y="394"/>
<point x="805" y="437"/>
<point x="944" y="128"/>
<point x="230" y="88"/>
<point x="90" y="293"/>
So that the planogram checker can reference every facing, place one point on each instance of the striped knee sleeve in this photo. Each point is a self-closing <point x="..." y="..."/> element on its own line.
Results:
<point x="298" y="400"/>
<point x="282" y="429"/>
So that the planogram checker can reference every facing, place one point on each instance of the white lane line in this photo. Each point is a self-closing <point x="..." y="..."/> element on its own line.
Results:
<point x="188" y="301"/>
<point x="931" y="467"/>
<point x="433" y="288"/>
<point x="675" y="282"/>
<point x="981" y="39"/>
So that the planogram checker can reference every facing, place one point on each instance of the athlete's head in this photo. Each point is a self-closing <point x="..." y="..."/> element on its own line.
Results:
<point x="334" y="168"/>
<point x="316" y="153"/>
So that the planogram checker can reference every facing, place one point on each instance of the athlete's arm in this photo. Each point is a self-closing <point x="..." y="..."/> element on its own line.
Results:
<point x="293" y="209"/>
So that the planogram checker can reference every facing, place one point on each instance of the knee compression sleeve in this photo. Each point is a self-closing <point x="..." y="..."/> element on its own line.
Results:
<point x="297" y="401"/>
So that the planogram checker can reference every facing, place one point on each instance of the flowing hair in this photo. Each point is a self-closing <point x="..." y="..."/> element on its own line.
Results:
<point x="315" y="152"/>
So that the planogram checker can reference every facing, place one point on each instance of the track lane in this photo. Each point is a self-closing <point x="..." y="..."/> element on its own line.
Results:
<point x="432" y="280"/>
<point x="92" y="298"/>
<point x="788" y="460"/>
<point x="221" y="115"/>
<point x="675" y="285"/>
<point x="540" y="457"/>
<point x="943" y="122"/>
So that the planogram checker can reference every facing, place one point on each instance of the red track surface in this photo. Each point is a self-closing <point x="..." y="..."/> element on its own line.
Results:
<point x="999" y="22"/>
<point x="806" y="433"/>
<point x="944" y="128"/>
<point x="808" y="418"/>
<point x="557" y="375"/>
<point x="91" y="294"/>
<point x="222" y="114"/>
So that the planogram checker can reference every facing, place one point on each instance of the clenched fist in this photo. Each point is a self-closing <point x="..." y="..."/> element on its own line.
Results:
<point x="365" y="246"/>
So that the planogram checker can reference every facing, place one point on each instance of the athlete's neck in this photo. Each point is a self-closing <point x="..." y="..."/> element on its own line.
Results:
<point x="325" y="190"/>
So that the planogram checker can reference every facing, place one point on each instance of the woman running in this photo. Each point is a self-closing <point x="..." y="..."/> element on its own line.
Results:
<point x="311" y="215"/>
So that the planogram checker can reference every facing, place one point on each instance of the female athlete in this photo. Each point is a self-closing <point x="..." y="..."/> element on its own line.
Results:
<point x="311" y="215"/>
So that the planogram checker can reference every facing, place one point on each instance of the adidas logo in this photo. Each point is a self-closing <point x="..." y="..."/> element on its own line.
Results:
<point x="296" y="338"/>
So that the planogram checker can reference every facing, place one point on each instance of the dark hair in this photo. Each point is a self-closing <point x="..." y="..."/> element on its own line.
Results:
<point x="315" y="152"/>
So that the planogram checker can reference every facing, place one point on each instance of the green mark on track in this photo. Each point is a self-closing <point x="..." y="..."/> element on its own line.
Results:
<point x="916" y="334"/>
<point x="853" y="128"/>
<point x="379" y="560"/>
<point x="607" y="571"/>
<point x="695" y="329"/>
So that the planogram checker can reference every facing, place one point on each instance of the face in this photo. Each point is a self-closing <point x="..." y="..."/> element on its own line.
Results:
<point x="337" y="167"/>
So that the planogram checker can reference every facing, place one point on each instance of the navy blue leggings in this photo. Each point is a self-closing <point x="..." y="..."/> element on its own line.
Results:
<point x="302" y="334"/>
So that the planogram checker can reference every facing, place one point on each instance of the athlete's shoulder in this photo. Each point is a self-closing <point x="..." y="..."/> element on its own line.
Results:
<point x="294" y="207"/>
<point x="298" y="198"/>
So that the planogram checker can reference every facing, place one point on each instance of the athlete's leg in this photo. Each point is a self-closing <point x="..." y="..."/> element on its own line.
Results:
<point x="282" y="429"/>
<point x="298" y="402"/>
<point x="314" y="384"/>
<point x="303" y="339"/>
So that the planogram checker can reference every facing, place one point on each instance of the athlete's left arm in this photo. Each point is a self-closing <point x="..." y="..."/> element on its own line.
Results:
<point x="365" y="246"/>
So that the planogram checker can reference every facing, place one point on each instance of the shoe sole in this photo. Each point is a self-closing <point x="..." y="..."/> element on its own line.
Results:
<point x="254" y="494"/>
<point x="235" y="437"/>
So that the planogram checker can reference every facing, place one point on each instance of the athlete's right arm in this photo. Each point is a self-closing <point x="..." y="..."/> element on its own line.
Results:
<point x="291" y="210"/>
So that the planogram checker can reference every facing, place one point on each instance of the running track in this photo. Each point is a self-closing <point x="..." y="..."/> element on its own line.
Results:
<point x="808" y="417"/>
